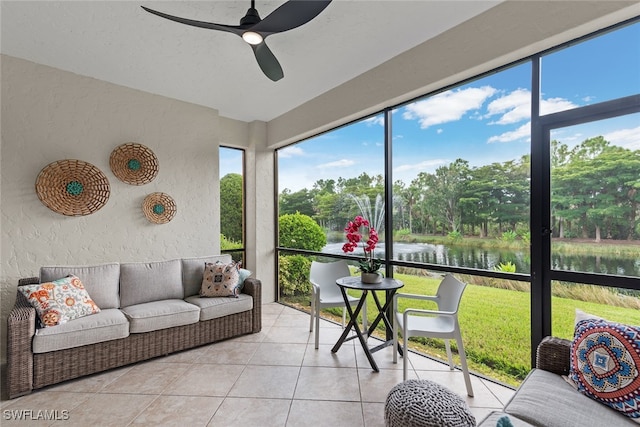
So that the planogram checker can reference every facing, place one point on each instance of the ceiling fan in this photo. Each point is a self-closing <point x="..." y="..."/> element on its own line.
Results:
<point x="255" y="30"/>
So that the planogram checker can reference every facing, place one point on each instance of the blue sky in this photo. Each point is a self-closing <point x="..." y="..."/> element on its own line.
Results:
<point x="484" y="121"/>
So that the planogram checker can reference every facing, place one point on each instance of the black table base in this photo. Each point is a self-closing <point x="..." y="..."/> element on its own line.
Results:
<point x="389" y="286"/>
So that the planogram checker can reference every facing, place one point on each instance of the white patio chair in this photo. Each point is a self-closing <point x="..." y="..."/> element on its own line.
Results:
<point x="326" y="294"/>
<point x="440" y="323"/>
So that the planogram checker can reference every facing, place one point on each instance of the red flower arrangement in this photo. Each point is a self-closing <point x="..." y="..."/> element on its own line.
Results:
<point x="352" y="231"/>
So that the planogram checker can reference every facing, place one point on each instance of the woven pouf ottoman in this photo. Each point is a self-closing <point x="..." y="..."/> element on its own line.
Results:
<point x="423" y="403"/>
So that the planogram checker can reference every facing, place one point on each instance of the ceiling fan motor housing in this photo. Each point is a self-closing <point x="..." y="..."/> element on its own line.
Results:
<point x="251" y="18"/>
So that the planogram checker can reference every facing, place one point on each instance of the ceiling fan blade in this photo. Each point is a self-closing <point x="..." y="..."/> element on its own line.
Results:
<point x="292" y="14"/>
<point x="210" y="25"/>
<point x="267" y="61"/>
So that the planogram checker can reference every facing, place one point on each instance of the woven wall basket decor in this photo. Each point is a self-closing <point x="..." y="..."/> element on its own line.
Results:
<point x="72" y="187"/>
<point x="159" y="208"/>
<point x="134" y="163"/>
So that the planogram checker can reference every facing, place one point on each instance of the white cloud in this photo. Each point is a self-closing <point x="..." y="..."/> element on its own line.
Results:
<point x="514" y="107"/>
<point x="439" y="131"/>
<point x="291" y="151"/>
<point x="570" y="140"/>
<point x="523" y="132"/>
<point x="422" y="166"/>
<point x="344" y="163"/>
<point x="447" y="106"/>
<point x="553" y="105"/>
<point x="626" y="138"/>
<point x="376" y="120"/>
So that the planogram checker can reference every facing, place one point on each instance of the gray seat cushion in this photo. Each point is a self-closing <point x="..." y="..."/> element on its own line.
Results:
<point x="152" y="316"/>
<point x="212" y="308"/>
<point x="192" y="269"/>
<point x="109" y="324"/>
<point x="547" y="399"/>
<point x="142" y="282"/>
<point x="101" y="281"/>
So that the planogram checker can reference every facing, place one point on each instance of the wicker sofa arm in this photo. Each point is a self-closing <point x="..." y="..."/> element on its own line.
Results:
<point x="553" y="355"/>
<point x="21" y="327"/>
<point x="253" y="287"/>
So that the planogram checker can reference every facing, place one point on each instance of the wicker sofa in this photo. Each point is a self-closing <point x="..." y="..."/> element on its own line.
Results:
<point x="545" y="398"/>
<point x="146" y="310"/>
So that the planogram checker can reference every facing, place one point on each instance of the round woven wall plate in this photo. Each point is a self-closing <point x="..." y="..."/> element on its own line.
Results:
<point x="159" y="208"/>
<point x="72" y="187"/>
<point x="134" y="163"/>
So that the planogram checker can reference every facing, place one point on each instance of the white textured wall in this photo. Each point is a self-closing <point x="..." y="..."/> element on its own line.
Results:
<point x="48" y="115"/>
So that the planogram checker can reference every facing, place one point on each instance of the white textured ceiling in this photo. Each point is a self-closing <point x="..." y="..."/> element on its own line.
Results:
<point x="118" y="42"/>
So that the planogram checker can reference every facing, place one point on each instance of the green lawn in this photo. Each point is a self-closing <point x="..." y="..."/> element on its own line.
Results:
<point x="495" y="325"/>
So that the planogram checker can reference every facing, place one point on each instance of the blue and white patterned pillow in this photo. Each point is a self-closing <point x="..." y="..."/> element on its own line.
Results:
<point x="243" y="274"/>
<point x="605" y="364"/>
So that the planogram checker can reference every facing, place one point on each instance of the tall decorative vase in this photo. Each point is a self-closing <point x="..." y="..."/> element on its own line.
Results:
<point x="371" y="278"/>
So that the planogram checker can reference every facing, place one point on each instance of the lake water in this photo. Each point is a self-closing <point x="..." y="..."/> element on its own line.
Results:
<point x="487" y="259"/>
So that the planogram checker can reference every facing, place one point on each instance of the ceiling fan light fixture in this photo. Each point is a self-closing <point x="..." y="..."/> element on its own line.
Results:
<point x="252" y="37"/>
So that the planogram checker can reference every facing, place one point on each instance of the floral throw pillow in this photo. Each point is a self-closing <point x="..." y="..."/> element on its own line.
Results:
<point x="59" y="301"/>
<point x="605" y="364"/>
<point x="220" y="280"/>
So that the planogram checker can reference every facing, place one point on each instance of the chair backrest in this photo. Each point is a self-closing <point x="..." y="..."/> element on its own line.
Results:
<point x="325" y="274"/>
<point x="450" y="293"/>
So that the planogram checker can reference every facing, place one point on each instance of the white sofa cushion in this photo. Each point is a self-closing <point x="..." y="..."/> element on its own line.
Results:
<point x="109" y="324"/>
<point x="101" y="281"/>
<point x="142" y="282"/>
<point x="212" y="308"/>
<point x="168" y="313"/>
<point x="193" y="269"/>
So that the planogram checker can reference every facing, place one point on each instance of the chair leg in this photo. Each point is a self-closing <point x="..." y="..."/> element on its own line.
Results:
<point x="317" y="324"/>
<point x="405" y="354"/>
<point x="395" y="340"/>
<point x="463" y="362"/>
<point x="344" y="317"/>
<point x="311" y="314"/>
<point x="447" y="345"/>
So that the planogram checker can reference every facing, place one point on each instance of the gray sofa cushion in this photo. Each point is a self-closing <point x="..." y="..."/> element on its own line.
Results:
<point x="152" y="316"/>
<point x="101" y="281"/>
<point x="142" y="282"/>
<point x="192" y="269"/>
<point x="212" y="308"/>
<point x="109" y="324"/>
<point x="547" y="399"/>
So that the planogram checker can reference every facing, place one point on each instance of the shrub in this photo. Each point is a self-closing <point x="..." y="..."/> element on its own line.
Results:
<point x="298" y="231"/>
<point x="402" y="234"/>
<point x="226" y="244"/>
<point x="507" y="267"/>
<point x="455" y="236"/>
<point x="294" y="275"/>
<point x="526" y="237"/>
<point x="509" y="236"/>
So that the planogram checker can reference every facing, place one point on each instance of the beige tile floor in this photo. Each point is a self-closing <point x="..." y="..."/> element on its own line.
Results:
<point x="273" y="378"/>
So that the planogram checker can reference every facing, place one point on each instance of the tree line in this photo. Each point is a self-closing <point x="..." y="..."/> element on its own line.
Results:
<point x="595" y="194"/>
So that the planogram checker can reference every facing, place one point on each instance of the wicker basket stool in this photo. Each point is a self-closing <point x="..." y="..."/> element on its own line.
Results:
<point x="423" y="403"/>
